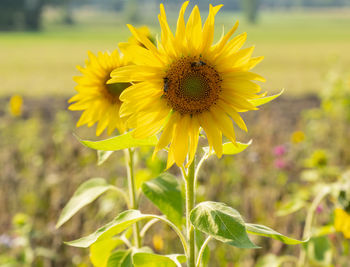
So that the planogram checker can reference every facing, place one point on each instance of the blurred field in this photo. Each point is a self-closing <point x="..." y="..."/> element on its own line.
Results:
<point x="41" y="174"/>
<point x="299" y="48"/>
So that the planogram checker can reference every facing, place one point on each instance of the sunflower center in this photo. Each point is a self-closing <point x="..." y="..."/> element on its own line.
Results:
<point x="191" y="85"/>
<point x="116" y="89"/>
<point x="112" y="91"/>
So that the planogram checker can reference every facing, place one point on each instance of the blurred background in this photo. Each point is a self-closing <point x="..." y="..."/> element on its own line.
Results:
<point x="303" y="134"/>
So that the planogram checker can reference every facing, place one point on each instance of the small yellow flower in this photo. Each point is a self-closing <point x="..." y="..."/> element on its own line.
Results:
<point x="15" y="106"/>
<point x="158" y="243"/>
<point x="342" y="222"/>
<point x="99" y="100"/>
<point x="297" y="137"/>
<point x="20" y="219"/>
<point x="318" y="158"/>
<point x="186" y="83"/>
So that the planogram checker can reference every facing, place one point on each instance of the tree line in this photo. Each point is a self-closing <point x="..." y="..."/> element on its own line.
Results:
<point x="27" y="14"/>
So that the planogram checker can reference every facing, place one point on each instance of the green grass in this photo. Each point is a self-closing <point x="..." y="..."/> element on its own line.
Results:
<point x="299" y="49"/>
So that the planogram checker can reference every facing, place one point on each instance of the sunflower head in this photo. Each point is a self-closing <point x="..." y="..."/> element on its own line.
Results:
<point x="187" y="83"/>
<point x="98" y="100"/>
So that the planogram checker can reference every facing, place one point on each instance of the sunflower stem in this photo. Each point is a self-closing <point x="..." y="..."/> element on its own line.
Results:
<point x="308" y="223"/>
<point x="201" y="251"/>
<point x="190" y="201"/>
<point x="129" y="160"/>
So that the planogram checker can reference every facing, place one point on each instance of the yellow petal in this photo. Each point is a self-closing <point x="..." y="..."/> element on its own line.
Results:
<point x="194" y="134"/>
<point x="140" y="55"/>
<point x="208" y="28"/>
<point x="243" y="75"/>
<point x="240" y="87"/>
<point x="181" y="28"/>
<point x="234" y="114"/>
<point x="194" y="31"/>
<point x="84" y="118"/>
<point x="171" y="159"/>
<point x="237" y="101"/>
<point x="221" y="43"/>
<point x="102" y="124"/>
<point x="134" y="73"/>
<point x="224" y="123"/>
<point x="148" y="105"/>
<point x="263" y="100"/>
<point x="236" y="61"/>
<point x="213" y="133"/>
<point x="145" y="41"/>
<point x="180" y="141"/>
<point x="140" y="90"/>
<point x="252" y="63"/>
<point x="167" y="133"/>
<point x="149" y="123"/>
<point x="231" y="47"/>
<point x="166" y="34"/>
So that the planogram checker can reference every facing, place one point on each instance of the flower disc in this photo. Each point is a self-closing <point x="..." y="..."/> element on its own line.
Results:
<point x="191" y="86"/>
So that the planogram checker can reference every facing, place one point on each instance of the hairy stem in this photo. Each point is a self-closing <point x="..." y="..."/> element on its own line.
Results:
<point x="201" y="251"/>
<point x="190" y="201"/>
<point x="308" y="222"/>
<point x="177" y="231"/>
<point x="199" y="165"/>
<point x="129" y="158"/>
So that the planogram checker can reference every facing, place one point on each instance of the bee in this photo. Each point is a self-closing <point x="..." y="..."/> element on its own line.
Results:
<point x="198" y="64"/>
<point x="166" y="84"/>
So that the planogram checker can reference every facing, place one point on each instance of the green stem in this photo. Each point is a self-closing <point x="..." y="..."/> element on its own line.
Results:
<point x="190" y="201"/>
<point x="177" y="231"/>
<point x="199" y="165"/>
<point x="129" y="156"/>
<point x="308" y="221"/>
<point x="147" y="226"/>
<point x="201" y="251"/>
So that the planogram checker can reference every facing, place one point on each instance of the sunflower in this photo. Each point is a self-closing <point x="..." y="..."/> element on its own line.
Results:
<point x="342" y="222"/>
<point x="187" y="83"/>
<point x="99" y="100"/>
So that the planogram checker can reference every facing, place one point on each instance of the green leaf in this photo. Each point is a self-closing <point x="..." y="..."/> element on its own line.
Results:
<point x="155" y="260"/>
<point x="119" y="142"/>
<point x="101" y="251"/>
<point x="165" y="193"/>
<point x="102" y="156"/>
<point x="261" y="101"/>
<point x="85" y="194"/>
<point x="222" y="223"/>
<point x="119" y="224"/>
<point x="230" y="148"/>
<point x="262" y="230"/>
<point x="319" y="250"/>
<point x="120" y="258"/>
